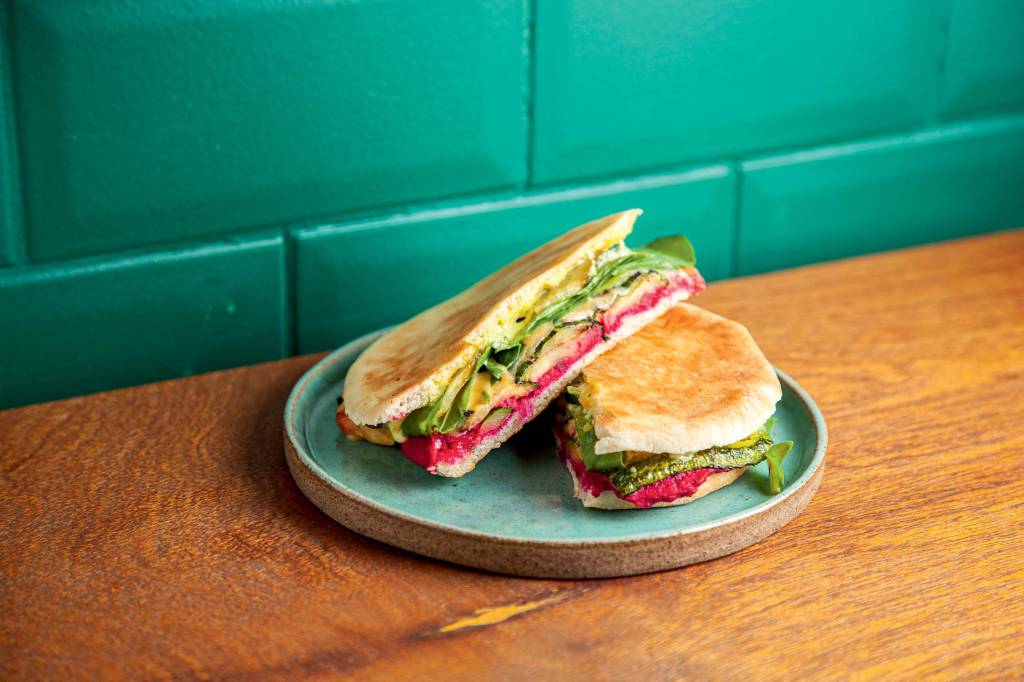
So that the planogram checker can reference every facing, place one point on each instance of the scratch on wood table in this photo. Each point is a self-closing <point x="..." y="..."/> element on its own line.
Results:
<point x="492" y="615"/>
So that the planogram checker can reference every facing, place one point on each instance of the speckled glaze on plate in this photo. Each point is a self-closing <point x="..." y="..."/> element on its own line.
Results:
<point x="515" y="512"/>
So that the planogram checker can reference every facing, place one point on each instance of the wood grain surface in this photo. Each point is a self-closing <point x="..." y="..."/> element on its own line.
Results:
<point x="154" y="532"/>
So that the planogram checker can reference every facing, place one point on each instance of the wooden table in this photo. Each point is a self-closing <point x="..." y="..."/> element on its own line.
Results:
<point x="155" y="532"/>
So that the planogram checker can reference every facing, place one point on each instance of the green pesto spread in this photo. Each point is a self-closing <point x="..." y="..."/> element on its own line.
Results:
<point x="629" y="479"/>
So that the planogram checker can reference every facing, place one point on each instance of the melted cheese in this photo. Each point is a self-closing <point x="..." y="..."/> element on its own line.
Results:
<point x="498" y="392"/>
<point x="485" y="389"/>
<point x="573" y="282"/>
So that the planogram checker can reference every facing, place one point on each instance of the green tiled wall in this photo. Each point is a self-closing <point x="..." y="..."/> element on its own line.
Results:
<point x="189" y="186"/>
<point x="100" y="323"/>
<point x="144" y="121"/>
<point x="985" y="59"/>
<point x="624" y="86"/>
<point x="864" y="197"/>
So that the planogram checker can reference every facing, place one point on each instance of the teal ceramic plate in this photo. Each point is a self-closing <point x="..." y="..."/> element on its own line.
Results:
<point x="515" y="512"/>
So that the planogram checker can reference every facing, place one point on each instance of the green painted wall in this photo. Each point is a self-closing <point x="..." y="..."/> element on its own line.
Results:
<point x="190" y="186"/>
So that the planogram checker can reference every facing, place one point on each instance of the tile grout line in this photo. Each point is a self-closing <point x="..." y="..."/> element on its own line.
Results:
<point x="939" y="55"/>
<point x="161" y="253"/>
<point x="737" y="217"/>
<point x="290" y="296"/>
<point x="13" y="164"/>
<point x="530" y="103"/>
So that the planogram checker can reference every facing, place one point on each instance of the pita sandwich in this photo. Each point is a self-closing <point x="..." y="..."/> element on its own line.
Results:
<point x="674" y="413"/>
<point x="457" y="380"/>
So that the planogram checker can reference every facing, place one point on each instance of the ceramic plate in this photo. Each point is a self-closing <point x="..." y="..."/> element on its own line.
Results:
<point x="515" y="512"/>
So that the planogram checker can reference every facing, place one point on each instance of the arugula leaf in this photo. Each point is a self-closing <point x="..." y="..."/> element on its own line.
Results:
<point x="607" y="461"/>
<point x="423" y="421"/>
<point x="587" y="440"/>
<point x="452" y="418"/>
<point x="494" y="368"/>
<point x="481" y="361"/>
<point x="508" y="356"/>
<point x="419" y="422"/>
<point x="775" y="455"/>
<point x="676" y="247"/>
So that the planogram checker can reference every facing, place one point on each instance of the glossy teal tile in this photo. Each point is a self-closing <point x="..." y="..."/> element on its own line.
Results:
<point x="985" y="57"/>
<point x="627" y="85"/>
<point x="95" y="325"/>
<point x="10" y="224"/>
<point x="145" y="122"/>
<point x="354" y="278"/>
<point x="855" y="199"/>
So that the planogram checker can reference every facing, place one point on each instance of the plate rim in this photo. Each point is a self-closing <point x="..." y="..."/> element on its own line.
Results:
<point x="296" y="438"/>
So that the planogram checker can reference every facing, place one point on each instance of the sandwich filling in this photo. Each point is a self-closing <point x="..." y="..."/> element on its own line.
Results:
<point x="645" y="478"/>
<point x="507" y="379"/>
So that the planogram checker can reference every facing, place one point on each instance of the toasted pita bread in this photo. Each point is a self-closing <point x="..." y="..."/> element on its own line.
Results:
<point x="609" y="500"/>
<point x="688" y="381"/>
<point x="411" y="365"/>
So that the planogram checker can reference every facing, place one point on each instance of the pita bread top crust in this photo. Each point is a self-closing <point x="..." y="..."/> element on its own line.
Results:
<point x="686" y="382"/>
<point x="412" y="364"/>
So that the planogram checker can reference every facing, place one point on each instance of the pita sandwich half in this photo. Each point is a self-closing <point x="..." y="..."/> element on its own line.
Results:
<point x="675" y="412"/>
<point x="457" y="380"/>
